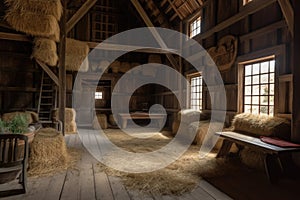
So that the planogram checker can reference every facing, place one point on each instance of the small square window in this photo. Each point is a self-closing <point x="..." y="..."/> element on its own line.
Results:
<point x="195" y="27"/>
<point x="98" y="95"/>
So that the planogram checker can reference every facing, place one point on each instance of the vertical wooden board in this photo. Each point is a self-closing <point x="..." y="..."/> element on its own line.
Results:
<point x="70" y="190"/>
<point x="119" y="191"/>
<point x="102" y="186"/>
<point x="55" y="186"/>
<point x="69" y="81"/>
<point x="86" y="181"/>
<point x="215" y="193"/>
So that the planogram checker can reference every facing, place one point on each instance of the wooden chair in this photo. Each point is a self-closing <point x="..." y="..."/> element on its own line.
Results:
<point x="13" y="161"/>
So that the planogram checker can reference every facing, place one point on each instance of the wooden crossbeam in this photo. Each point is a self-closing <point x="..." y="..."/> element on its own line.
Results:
<point x="249" y="9"/>
<point x="127" y="48"/>
<point x="79" y="14"/>
<point x="175" y="9"/>
<point x="154" y="32"/>
<point x="48" y="71"/>
<point x="288" y="13"/>
<point x="14" y="37"/>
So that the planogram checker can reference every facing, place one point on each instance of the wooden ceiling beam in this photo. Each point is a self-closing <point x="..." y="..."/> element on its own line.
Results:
<point x="249" y="9"/>
<point x="14" y="37"/>
<point x="79" y="14"/>
<point x="128" y="48"/>
<point x="175" y="9"/>
<point x="288" y="13"/>
<point x="154" y="32"/>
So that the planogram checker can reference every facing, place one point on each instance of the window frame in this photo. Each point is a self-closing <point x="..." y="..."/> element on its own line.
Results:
<point x="252" y="95"/>
<point x="96" y="96"/>
<point x="190" y="21"/>
<point x="189" y="77"/>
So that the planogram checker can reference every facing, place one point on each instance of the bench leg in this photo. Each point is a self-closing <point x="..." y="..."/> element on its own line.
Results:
<point x="225" y="148"/>
<point x="273" y="167"/>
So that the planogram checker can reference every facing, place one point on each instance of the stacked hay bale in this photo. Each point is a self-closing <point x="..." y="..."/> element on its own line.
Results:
<point x="100" y="121"/>
<point x="76" y="55"/>
<point x="22" y="15"/>
<point x="48" y="152"/>
<point x="70" y="119"/>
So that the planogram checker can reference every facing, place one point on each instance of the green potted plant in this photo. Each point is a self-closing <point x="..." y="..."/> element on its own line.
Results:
<point x="18" y="125"/>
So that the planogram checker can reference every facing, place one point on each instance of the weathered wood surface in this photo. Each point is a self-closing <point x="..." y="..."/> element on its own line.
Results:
<point x="87" y="181"/>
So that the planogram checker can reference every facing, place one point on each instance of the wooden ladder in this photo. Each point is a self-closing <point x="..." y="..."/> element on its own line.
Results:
<point x="47" y="98"/>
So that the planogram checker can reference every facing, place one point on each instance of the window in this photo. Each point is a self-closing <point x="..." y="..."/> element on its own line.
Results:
<point x="246" y="2"/>
<point x="196" y="92"/>
<point x="195" y="27"/>
<point x="259" y="83"/>
<point x="98" y="95"/>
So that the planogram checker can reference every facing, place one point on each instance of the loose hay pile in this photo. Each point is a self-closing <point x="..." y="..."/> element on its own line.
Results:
<point x="70" y="117"/>
<point x="180" y="177"/>
<point x="76" y="52"/>
<point x="49" y="153"/>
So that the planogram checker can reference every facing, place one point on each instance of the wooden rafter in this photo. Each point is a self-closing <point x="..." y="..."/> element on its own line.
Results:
<point x="288" y="14"/>
<point x="48" y="71"/>
<point x="79" y="14"/>
<point x="154" y="32"/>
<point x="175" y="9"/>
<point x="249" y="9"/>
<point x="14" y="36"/>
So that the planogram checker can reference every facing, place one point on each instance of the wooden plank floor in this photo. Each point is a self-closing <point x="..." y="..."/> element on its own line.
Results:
<point x="85" y="182"/>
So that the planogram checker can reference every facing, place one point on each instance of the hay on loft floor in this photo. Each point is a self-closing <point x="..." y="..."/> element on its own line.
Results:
<point x="49" y="153"/>
<point x="252" y="158"/>
<point x="45" y="50"/>
<point x="33" y="24"/>
<point x="47" y="7"/>
<point x="100" y="120"/>
<point x="7" y="117"/>
<point x="179" y="177"/>
<point x="76" y="55"/>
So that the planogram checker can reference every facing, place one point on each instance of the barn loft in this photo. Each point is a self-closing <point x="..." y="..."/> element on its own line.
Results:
<point x="85" y="76"/>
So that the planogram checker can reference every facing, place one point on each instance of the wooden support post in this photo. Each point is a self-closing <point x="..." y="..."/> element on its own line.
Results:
<point x="79" y="14"/>
<point x="296" y="73"/>
<point x="62" y="68"/>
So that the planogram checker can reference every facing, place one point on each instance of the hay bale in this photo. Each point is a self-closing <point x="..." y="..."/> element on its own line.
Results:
<point x="100" y="119"/>
<point x="7" y="117"/>
<point x="70" y="114"/>
<point x="45" y="26"/>
<point x="71" y="127"/>
<point x="76" y="55"/>
<point x="262" y="125"/>
<point x="46" y="7"/>
<point x="252" y="158"/>
<point x="48" y="152"/>
<point x="45" y="50"/>
<point x="112" y="120"/>
<point x="175" y="127"/>
<point x="125" y="66"/>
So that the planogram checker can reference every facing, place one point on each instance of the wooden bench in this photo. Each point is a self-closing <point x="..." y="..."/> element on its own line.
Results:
<point x="273" y="154"/>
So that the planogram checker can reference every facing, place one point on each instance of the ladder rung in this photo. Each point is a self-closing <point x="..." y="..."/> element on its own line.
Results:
<point x="47" y="97"/>
<point x="46" y="104"/>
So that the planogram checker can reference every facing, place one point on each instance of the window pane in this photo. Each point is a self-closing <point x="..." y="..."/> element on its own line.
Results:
<point x="248" y="90"/>
<point x="248" y="80"/>
<point x="255" y="69"/>
<point x="272" y="89"/>
<point x="255" y="109"/>
<point x="247" y="109"/>
<point x="271" y="102"/>
<point x="255" y="100"/>
<point x="264" y="67"/>
<point x="255" y="90"/>
<point x="248" y="100"/>
<point x="272" y="78"/>
<point x="264" y="89"/>
<point x="264" y="78"/>
<point x="255" y="80"/>
<point x="271" y="110"/>
<point x="272" y="66"/>
<point x="248" y="70"/>
<point x="264" y="100"/>
<point x="264" y="109"/>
